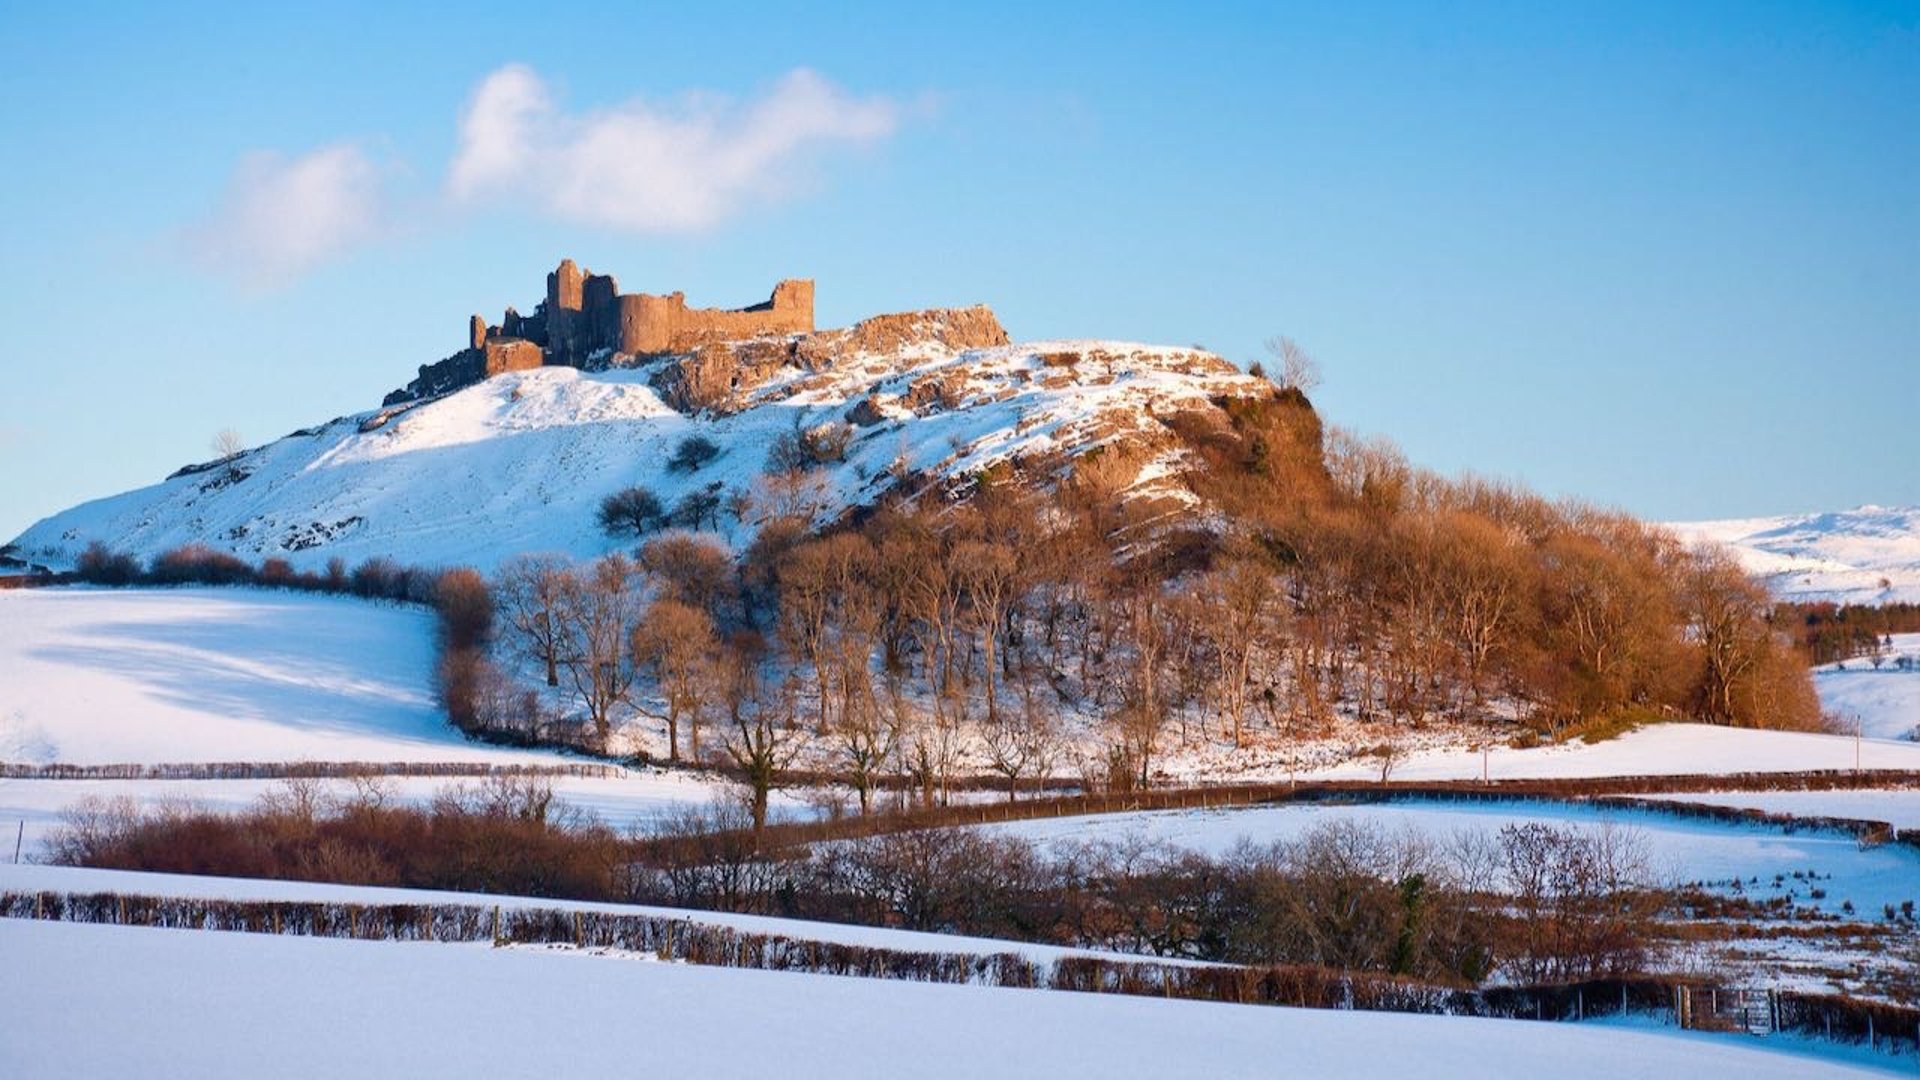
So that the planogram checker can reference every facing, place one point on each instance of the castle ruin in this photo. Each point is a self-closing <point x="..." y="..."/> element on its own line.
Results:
<point x="585" y="319"/>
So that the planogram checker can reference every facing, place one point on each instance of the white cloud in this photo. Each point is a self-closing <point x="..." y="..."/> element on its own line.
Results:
<point x="282" y="216"/>
<point x="649" y="167"/>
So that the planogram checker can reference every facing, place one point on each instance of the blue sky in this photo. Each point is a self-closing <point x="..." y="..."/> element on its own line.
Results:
<point x="1661" y="256"/>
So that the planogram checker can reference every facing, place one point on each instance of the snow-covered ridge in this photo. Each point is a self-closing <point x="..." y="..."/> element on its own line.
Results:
<point x="519" y="462"/>
<point x="1867" y="555"/>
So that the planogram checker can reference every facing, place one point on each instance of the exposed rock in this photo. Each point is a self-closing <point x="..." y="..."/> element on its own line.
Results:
<point x="716" y="376"/>
<point x="953" y="329"/>
<point x="872" y="409"/>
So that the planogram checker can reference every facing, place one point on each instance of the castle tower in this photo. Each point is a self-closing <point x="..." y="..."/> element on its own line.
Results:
<point x="565" y="293"/>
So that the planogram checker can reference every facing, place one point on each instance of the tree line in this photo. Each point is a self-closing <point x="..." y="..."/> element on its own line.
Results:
<point x="1305" y="576"/>
<point x="1046" y="618"/>
<point x="1532" y="903"/>
<point x="1829" y="632"/>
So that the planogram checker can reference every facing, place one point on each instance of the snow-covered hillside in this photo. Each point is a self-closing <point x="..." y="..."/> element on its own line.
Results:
<point x="1867" y="555"/>
<point x="519" y="462"/>
<point x="1884" y="698"/>
<point x="195" y="675"/>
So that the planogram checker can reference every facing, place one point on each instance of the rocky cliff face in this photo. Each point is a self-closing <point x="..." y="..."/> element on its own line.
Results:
<point x="723" y="376"/>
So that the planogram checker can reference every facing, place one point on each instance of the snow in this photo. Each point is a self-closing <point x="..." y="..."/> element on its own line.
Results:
<point x="1885" y="701"/>
<point x="519" y="462"/>
<point x="31" y="809"/>
<point x="193" y="675"/>
<point x="1840" y="556"/>
<point x="197" y="675"/>
<point x="1899" y="807"/>
<point x="1679" y="849"/>
<point x="1654" y="750"/>
<point x="107" y="1000"/>
<point x="32" y="877"/>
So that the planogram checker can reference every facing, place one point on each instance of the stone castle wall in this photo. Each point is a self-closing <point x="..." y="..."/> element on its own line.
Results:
<point x="665" y="324"/>
<point x="586" y="313"/>
<point x="585" y="318"/>
<point x="715" y="356"/>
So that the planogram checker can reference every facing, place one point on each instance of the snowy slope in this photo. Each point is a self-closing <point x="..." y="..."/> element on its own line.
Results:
<point x="196" y="675"/>
<point x="520" y="462"/>
<point x="205" y="1004"/>
<point x="1655" y="750"/>
<point x="1884" y="701"/>
<point x="181" y="676"/>
<point x="1843" y="556"/>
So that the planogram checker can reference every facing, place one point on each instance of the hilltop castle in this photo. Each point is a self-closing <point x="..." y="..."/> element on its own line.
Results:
<point x="585" y="318"/>
<point x="710" y="356"/>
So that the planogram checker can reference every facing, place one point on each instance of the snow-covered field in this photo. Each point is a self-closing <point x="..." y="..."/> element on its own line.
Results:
<point x="107" y="1000"/>
<point x="94" y="676"/>
<point x="1867" y="555"/>
<point x="1884" y="700"/>
<point x="1679" y="849"/>
<point x="636" y="799"/>
<point x="149" y="676"/>
<point x="30" y="877"/>
<point x="1655" y="750"/>
<point x="1899" y="807"/>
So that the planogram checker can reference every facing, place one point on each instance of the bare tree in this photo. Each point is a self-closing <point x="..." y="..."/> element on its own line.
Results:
<point x="868" y="737"/>
<point x="596" y="611"/>
<point x="1298" y="370"/>
<point x="529" y="589"/>
<point x="227" y="448"/>
<point x="694" y="569"/>
<point x="759" y="729"/>
<point x="1241" y="596"/>
<point x="989" y="574"/>
<point x="676" y="642"/>
<point x="1022" y="743"/>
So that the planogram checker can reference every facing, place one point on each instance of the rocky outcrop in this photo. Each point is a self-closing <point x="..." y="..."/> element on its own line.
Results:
<point x="717" y="377"/>
<point x="948" y="329"/>
<point x="720" y="376"/>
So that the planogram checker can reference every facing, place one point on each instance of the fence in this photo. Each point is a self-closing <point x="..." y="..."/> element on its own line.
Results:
<point x="1226" y="796"/>
<point x="1890" y="1028"/>
<point x="315" y="770"/>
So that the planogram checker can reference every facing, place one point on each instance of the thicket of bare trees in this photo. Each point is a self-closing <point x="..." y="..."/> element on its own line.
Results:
<point x="1534" y="902"/>
<point x="1328" y="576"/>
<point x="1313" y="575"/>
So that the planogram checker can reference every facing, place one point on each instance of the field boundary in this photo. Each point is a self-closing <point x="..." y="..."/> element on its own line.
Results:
<point x="1232" y="796"/>
<point x="313" y="770"/>
<point x="1891" y="1028"/>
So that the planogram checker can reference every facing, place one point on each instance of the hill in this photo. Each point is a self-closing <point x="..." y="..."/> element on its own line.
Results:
<point x="519" y="462"/>
<point x="1867" y="555"/>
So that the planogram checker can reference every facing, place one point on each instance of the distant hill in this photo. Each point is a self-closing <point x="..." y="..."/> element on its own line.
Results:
<point x="1867" y="555"/>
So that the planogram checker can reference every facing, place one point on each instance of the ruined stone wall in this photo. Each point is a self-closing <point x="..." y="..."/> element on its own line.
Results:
<point x="665" y="324"/>
<point x="566" y="290"/>
<point x="494" y="356"/>
<point x="585" y="314"/>
<point x="499" y="357"/>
